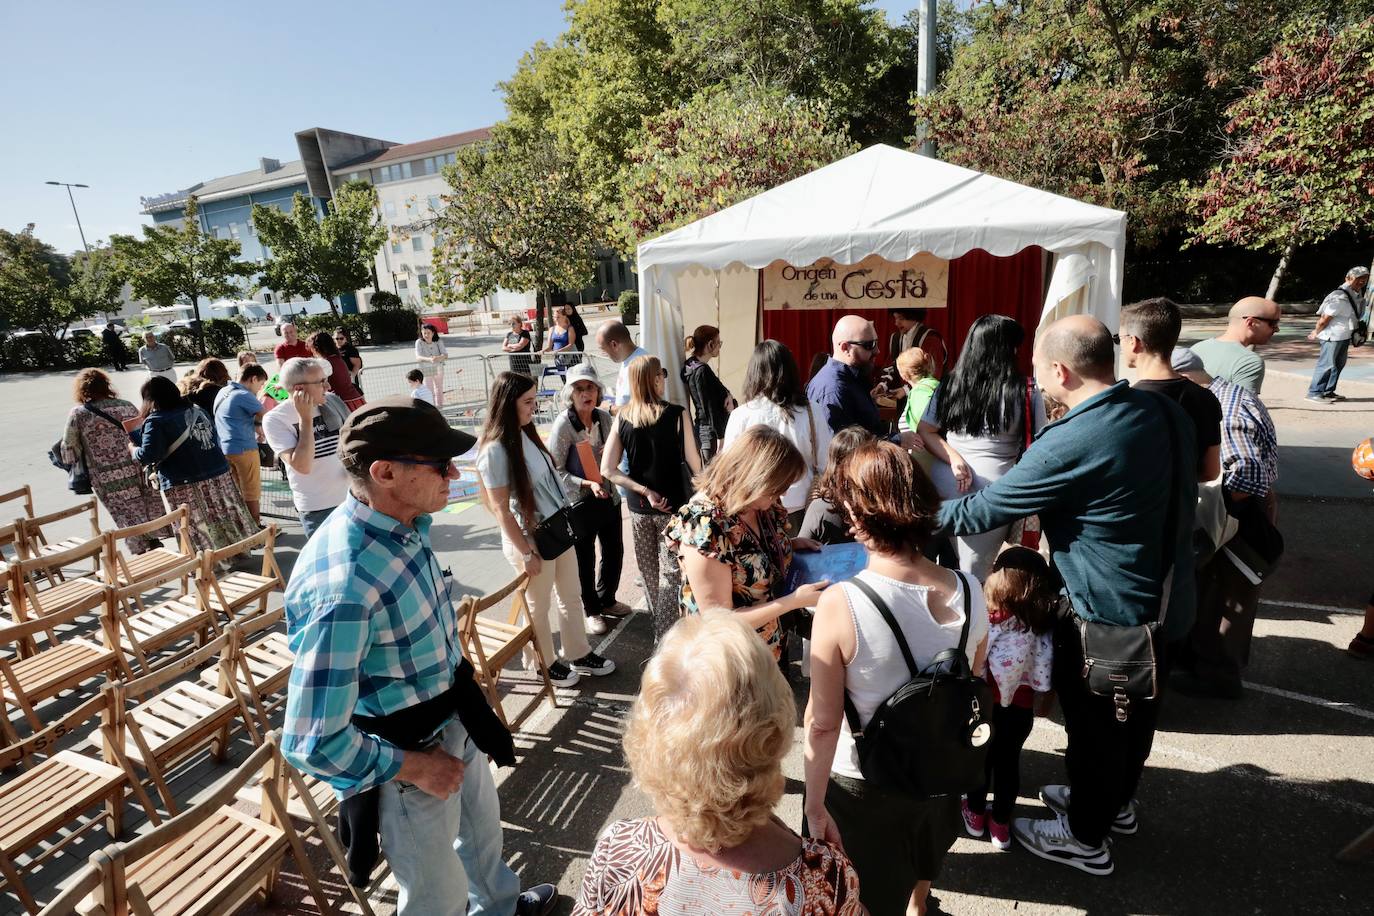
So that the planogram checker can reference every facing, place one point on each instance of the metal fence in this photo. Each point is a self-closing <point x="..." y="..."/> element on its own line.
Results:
<point x="467" y="382"/>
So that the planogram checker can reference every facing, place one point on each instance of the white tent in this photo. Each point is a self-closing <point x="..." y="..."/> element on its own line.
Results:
<point x="880" y="201"/>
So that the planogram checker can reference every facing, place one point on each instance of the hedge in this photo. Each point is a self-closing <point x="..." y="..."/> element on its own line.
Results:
<point x="629" y="307"/>
<point x="223" y="338"/>
<point x="390" y="325"/>
<point x="37" y="352"/>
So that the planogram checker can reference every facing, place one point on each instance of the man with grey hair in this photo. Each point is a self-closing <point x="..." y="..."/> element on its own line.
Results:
<point x="157" y="357"/>
<point x="1337" y="318"/>
<point x="1230" y="355"/>
<point x="317" y="478"/>
<point x="1114" y="482"/>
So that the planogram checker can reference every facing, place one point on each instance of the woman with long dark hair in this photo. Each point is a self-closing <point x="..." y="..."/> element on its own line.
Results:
<point x="429" y="348"/>
<point x="340" y="377"/>
<point x="523" y="490"/>
<point x="978" y="423"/>
<point x="179" y="438"/>
<point x="775" y="396"/>
<point x="351" y="357"/>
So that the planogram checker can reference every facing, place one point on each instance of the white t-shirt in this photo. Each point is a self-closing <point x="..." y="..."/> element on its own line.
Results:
<point x="327" y="483"/>
<point x="622" y="379"/>
<point x="1343" y="316"/>
<point x="422" y="393"/>
<point x="493" y="464"/>
<point x="796" y="426"/>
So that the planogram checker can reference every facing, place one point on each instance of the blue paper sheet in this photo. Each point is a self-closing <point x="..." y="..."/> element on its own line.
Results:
<point x="833" y="563"/>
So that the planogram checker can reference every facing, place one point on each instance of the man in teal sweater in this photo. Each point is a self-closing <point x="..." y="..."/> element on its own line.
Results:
<point x="1102" y="480"/>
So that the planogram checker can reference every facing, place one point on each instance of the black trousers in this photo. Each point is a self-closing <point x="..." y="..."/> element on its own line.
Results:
<point x="599" y="584"/>
<point x="1105" y="758"/>
<point x="1011" y="726"/>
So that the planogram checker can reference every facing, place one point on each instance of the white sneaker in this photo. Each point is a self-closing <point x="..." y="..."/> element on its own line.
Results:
<point x="1056" y="798"/>
<point x="1052" y="840"/>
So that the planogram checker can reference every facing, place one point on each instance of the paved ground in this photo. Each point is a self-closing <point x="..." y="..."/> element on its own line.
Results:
<point x="1244" y="803"/>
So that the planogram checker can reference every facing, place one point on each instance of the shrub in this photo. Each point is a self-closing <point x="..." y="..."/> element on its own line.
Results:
<point x="384" y="300"/>
<point x="36" y="352"/>
<point x="224" y="337"/>
<point x="184" y="343"/>
<point x="629" y="306"/>
<point x="356" y="325"/>
<point x="392" y="325"/>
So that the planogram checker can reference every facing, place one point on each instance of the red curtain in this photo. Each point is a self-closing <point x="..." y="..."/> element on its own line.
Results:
<point x="979" y="284"/>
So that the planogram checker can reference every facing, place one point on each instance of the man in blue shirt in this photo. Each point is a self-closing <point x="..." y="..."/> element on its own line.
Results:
<point x="375" y="636"/>
<point x="238" y="419"/>
<point x="842" y="386"/>
<point x="1101" y="479"/>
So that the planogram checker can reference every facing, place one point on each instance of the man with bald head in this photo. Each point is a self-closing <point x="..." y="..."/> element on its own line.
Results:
<point x="842" y="386"/>
<point x="1251" y="322"/>
<point x="1114" y="482"/>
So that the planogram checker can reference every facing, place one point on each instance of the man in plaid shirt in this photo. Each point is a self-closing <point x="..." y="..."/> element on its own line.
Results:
<point x="375" y="637"/>
<point x="1228" y="585"/>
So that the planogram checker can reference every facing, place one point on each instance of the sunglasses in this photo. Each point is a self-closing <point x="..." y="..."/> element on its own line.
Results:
<point x="869" y="345"/>
<point x="1272" y="322"/>
<point x="441" y="466"/>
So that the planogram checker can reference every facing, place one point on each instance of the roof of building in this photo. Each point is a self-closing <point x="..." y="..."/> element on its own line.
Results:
<point x="288" y="173"/>
<point x="419" y="148"/>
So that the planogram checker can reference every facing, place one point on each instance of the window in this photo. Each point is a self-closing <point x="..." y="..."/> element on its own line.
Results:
<point x="234" y="230"/>
<point x="417" y="243"/>
<point x="389" y="208"/>
<point x="434" y="202"/>
<point x="395" y="247"/>
<point x="424" y="281"/>
<point x="405" y="169"/>
<point x="402" y="285"/>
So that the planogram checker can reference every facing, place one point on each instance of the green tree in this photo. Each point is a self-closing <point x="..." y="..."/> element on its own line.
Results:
<point x="33" y="281"/>
<point x="516" y="216"/>
<point x="719" y="149"/>
<point x="1299" y="166"/>
<point x="96" y="286"/>
<point x="181" y="263"/>
<point x="325" y="257"/>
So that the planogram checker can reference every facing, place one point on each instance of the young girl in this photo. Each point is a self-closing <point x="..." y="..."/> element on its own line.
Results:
<point x="1020" y="594"/>
<point x="823" y="523"/>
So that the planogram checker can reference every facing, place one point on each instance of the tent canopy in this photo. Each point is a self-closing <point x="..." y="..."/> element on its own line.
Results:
<point x="882" y="201"/>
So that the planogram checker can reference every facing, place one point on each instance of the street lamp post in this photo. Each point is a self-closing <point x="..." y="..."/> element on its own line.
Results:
<point x="69" y="187"/>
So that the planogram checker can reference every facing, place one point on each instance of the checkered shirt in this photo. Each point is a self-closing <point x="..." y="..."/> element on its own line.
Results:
<point x="373" y="631"/>
<point x="1249" y="445"/>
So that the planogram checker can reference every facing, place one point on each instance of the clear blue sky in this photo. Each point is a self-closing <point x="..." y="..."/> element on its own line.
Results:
<point x="144" y="97"/>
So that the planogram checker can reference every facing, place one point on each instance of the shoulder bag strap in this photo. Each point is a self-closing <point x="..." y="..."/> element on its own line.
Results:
<point x="810" y="415"/>
<point x="102" y="414"/>
<point x="968" y="617"/>
<point x="176" y="444"/>
<point x="1170" y="519"/>
<point x="891" y="622"/>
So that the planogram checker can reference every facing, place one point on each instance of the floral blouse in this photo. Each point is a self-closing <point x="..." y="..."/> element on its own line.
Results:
<point x="758" y="571"/>
<point x="636" y="871"/>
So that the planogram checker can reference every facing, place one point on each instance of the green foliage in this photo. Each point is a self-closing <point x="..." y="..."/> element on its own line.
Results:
<point x="321" y="257"/>
<point x="39" y="352"/>
<point x="41" y="290"/>
<point x="224" y="337"/>
<point x="1299" y="166"/>
<point x="719" y="149"/>
<point x="397" y="325"/>
<point x="171" y="264"/>
<point x="516" y="216"/>
<point x="628" y="303"/>
<point x="384" y="300"/>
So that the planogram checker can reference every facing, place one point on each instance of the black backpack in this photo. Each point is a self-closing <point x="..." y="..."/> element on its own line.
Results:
<point x="932" y="736"/>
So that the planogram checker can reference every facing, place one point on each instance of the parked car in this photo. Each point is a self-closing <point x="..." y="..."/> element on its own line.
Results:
<point x="73" y="333"/>
<point x="186" y="324"/>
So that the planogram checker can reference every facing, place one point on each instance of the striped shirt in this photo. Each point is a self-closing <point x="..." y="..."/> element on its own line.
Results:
<point x="1249" y="444"/>
<point x="373" y="631"/>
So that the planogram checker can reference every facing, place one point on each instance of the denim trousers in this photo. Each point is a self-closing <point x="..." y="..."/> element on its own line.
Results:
<point x="446" y="853"/>
<point x="1330" y="362"/>
<point x="313" y="520"/>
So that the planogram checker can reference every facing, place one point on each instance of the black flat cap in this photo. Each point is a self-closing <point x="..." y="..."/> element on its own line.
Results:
<point x="399" y="425"/>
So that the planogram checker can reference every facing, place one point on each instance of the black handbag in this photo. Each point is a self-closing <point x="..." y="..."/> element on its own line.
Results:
<point x="1360" y="336"/>
<point x="555" y="534"/>
<point x="931" y="737"/>
<point x="79" y="479"/>
<point x="688" y="478"/>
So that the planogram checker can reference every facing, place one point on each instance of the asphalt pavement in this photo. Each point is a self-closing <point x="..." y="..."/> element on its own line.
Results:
<point x="1244" y="803"/>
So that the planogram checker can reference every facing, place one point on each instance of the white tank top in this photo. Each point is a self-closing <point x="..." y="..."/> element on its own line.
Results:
<point x="878" y="669"/>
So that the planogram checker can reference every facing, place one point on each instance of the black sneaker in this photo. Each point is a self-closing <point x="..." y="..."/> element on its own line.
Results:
<point x="537" y="901"/>
<point x="594" y="665"/>
<point x="560" y="675"/>
<point x="1333" y="396"/>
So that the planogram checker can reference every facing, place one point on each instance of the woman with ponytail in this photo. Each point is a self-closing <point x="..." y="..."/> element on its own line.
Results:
<point x="711" y="400"/>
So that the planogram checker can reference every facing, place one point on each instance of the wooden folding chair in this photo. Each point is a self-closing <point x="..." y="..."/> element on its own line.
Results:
<point x="234" y="593"/>
<point x="175" y="619"/>
<point x="262" y="664"/>
<point x="39" y="671"/>
<point x="180" y="719"/>
<point x="29" y="596"/>
<point x="122" y="569"/>
<point x="9" y="547"/>
<point x="213" y="859"/>
<point x="35" y="542"/>
<point x="49" y="798"/>
<point x="491" y="645"/>
<point x="24" y="493"/>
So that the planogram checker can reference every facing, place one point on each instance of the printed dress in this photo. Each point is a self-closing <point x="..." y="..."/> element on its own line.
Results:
<point x="758" y="570"/>
<point x="119" y="482"/>
<point x="636" y="871"/>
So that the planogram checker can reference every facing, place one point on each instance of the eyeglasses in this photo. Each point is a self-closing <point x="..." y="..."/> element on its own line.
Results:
<point x="869" y="345"/>
<point x="441" y="466"/>
<point x="323" y="381"/>
<point x="1272" y="322"/>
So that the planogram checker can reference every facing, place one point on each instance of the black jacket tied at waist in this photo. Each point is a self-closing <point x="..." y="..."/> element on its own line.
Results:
<point x="411" y="729"/>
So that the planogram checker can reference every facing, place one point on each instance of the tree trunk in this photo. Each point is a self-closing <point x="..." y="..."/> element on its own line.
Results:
<point x="200" y="326"/>
<point x="541" y="299"/>
<point x="1281" y="269"/>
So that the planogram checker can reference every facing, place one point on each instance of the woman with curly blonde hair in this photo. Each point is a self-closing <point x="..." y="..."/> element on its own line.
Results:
<point x="705" y="742"/>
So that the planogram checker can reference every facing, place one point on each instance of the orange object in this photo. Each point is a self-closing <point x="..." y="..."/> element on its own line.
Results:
<point x="1362" y="460"/>
<point x="590" y="470"/>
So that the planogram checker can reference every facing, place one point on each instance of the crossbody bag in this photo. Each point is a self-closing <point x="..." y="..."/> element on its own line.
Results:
<point x="154" y="466"/>
<point x="1120" y="663"/>
<point x="1360" y="335"/>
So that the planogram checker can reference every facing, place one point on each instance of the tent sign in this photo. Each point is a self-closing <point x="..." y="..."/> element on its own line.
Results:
<point x="873" y="283"/>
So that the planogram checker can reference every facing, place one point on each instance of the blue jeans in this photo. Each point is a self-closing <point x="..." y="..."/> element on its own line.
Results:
<point x="313" y="520"/>
<point x="1329" y="365"/>
<point x="446" y="853"/>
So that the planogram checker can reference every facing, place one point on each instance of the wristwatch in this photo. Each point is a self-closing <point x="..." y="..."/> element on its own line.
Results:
<point x="527" y="556"/>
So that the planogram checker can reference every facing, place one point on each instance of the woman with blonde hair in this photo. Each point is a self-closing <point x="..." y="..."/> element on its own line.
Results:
<point x="731" y="538"/>
<point x="711" y="401"/>
<point x="714" y="846"/>
<point x="654" y="438"/>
